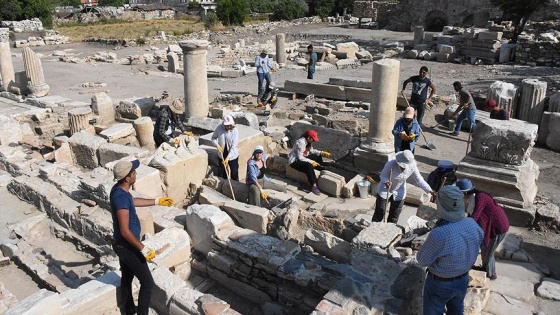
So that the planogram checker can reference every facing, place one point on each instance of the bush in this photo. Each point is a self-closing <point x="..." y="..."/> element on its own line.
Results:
<point x="262" y="6"/>
<point x="290" y="10"/>
<point x="211" y="20"/>
<point x="323" y="8"/>
<point x="140" y="41"/>
<point x="232" y="12"/>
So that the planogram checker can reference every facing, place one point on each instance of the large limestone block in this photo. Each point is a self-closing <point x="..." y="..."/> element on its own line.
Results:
<point x="118" y="131"/>
<point x="329" y="245"/>
<point x="202" y="222"/>
<point x="331" y="183"/>
<point x="553" y="137"/>
<point x="109" y="152"/>
<point x="166" y="285"/>
<point x="264" y="249"/>
<point x="174" y="245"/>
<point x="378" y="234"/>
<point x="519" y="270"/>
<point x="350" y="48"/>
<point x="12" y="131"/>
<point x="184" y="301"/>
<point x="102" y="105"/>
<point x="514" y="288"/>
<point x="505" y="141"/>
<point x="94" y="297"/>
<point x="343" y="208"/>
<point x="351" y="189"/>
<point x="42" y="302"/>
<point x="248" y="216"/>
<point x="148" y="182"/>
<point x="133" y="108"/>
<point x="84" y="148"/>
<point x="298" y="176"/>
<point x="549" y="289"/>
<point x="513" y="186"/>
<point x="504" y="305"/>
<point x="337" y="142"/>
<point x="241" y="190"/>
<point x="249" y="138"/>
<point x="146" y="222"/>
<point x="212" y="197"/>
<point x="180" y="168"/>
<point x="475" y="300"/>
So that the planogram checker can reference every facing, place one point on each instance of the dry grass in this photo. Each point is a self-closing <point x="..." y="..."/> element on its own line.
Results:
<point x="120" y="29"/>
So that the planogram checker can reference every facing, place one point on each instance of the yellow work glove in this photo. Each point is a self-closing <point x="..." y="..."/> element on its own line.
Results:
<point x="220" y="149"/>
<point x="263" y="195"/>
<point x="188" y="133"/>
<point x="164" y="201"/>
<point x="315" y="164"/>
<point x="148" y="253"/>
<point x="412" y="136"/>
<point x="403" y="136"/>
<point x="176" y="142"/>
<point x="326" y="154"/>
<point x="225" y="162"/>
<point x="272" y="100"/>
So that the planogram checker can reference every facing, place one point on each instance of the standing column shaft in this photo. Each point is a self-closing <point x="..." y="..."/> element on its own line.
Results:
<point x="34" y="72"/>
<point x="531" y="106"/>
<point x="384" y="89"/>
<point x="6" y="65"/>
<point x="196" y="82"/>
<point x="418" y="34"/>
<point x="281" y="48"/>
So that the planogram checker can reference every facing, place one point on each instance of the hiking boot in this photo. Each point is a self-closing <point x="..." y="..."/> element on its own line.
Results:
<point x="494" y="277"/>
<point x="316" y="190"/>
<point x="455" y="133"/>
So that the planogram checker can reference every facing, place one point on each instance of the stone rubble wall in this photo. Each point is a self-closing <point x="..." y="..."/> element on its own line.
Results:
<point x="537" y="53"/>
<point x="31" y="25"/>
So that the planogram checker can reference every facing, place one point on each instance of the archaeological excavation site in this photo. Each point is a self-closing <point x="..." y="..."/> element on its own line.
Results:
<point x="71" y="114"/>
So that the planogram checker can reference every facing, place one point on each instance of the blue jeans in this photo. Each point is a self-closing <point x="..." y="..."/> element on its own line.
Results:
<point x="440" y="294"/>
<point x="420" y="109"/>
<point x="310" y="72"/>
<point x="466" y="114"/>
<point x="133" y="264"/>
<point x="262" y="77"/>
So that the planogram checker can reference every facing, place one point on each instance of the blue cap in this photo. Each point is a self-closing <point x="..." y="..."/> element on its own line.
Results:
<point x="464" y="184"/>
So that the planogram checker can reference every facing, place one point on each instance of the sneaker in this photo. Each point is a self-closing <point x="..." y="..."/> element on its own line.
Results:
<point x="494" y="277"/>
<point x="316" y="190"/>
<point x="455" y="133"/>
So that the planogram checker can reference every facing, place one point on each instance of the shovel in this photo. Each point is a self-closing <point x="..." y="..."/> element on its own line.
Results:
<point x="427" y="144"/>
<point x="387" y="201"/>
<point x="228" y="172"/>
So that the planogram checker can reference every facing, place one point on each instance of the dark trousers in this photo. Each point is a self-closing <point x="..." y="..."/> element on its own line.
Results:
<point x="310" y="72"/>
<point x="308" y="169"/>
<point x="262" y="78"/>
<point x="133" y="264"/>
<point x="233" y="167"/>
<point x="394" y="209"/>
<point x="420" y="109"/>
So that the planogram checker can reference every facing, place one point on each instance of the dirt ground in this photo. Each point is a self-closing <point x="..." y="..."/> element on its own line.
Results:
<point x="124" y="81"/>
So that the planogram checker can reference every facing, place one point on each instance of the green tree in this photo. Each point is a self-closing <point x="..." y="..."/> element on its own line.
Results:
<point x="341" y="4"/>
<point x="232" y="12"/>
<point x="262" y="6"/>
<point x="211" y="20"/>
<point x="322" y="8"/>
<point x="519" y="11"/>
<point x="68" y="3"/>
<point x="10" y="10"/>
<point x="111" y="3"/>
<point x="290" y="9"/>
<point x="42" y="9"/>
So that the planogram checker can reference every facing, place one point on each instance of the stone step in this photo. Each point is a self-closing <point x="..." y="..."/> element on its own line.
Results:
<point x="519" y="270"/>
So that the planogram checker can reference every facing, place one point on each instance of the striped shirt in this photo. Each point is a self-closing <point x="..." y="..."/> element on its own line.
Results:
<point x="451" y="248"/>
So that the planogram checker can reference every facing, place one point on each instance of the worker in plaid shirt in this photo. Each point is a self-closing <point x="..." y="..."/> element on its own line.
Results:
<point x="167" y="121"/>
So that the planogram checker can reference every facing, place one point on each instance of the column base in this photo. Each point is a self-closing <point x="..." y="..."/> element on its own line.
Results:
<point x="371" y="157"/>
<point x="38" y="90"/>
<point x="513" y="186"/>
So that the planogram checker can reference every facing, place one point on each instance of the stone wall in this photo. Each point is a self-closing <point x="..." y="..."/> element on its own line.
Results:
<point x="537" y="53"/>
<point x="149" y="15"/>
<point x="32" y="25"/>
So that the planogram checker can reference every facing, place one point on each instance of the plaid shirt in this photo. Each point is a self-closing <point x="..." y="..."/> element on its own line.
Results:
<point x="451" y="248"/>
<point x="490" y="216"/>
<point x="163" y="122"/>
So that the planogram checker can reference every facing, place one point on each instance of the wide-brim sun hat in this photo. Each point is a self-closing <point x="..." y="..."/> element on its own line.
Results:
<point x="405" y="159"/>
<point x="177" y="107"/>
<point x="465" y="185"/>
<point x="450" y="204"/>
<point x="228" y="120"/>
<point x="123" y="168"/>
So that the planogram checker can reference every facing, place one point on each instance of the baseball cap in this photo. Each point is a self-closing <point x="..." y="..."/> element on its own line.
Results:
<point x="228" y="120"/>
<point x="409" y="112"/>
<point x="465" y="185"/>
<point x="258" y="149"/>
<point x="313" y="135"/>
<point x="123" y="168"/>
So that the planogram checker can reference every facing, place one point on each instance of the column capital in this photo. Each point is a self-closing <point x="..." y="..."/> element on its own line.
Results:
<point x="190" y="46"/>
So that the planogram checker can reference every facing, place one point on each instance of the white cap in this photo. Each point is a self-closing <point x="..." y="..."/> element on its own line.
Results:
<point x="228" y="120"/>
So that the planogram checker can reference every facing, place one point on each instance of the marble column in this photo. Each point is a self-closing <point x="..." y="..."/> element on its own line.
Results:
<point x="196" y="82"/>
<point x="505" y="95"/>
<point x="172" y="62"/>
<point x="36" y="85"/>
<point x="281" y="49"/>
<point x="418" y="35"/>
<point x="78" y="119"/>
<point x="372" y="154"/>
<point x="145" y="132"/>
<point x="531" y="104"/>
<point x="6" y="66"/>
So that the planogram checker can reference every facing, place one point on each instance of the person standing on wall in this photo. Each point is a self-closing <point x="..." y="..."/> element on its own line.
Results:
<point x="226" y="140"/>
<point x="419" y="96"/>
<point x="126" y="237"/>
<point x="312" y="62"/>
<point x="264" y="66"/>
